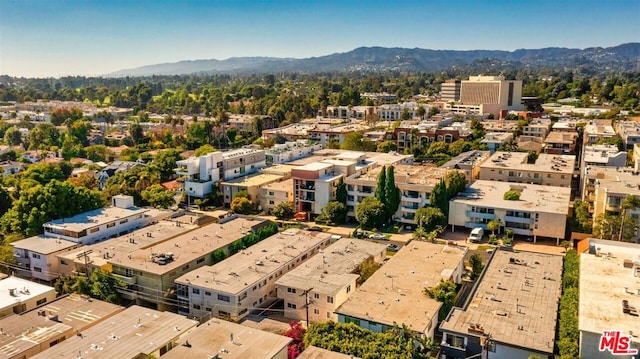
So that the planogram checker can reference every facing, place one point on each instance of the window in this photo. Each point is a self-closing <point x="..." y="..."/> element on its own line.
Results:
<point x="243" y="311"/>
<point x="223" y="314"/>
<point x="37" y="269"/>
<point x="224" y="298"/>
<point x="196" y="306"/>
<point x="329" y="299"/>
<point x="185" y="268"/>
<point x="128" y="272"/>
<point x="316" y="295"/>
<point x="349" y="288"/>
<point x="271" y="202"/>
<point x="291" y="306"/>
<point x="271" y="193"/>
<point x="63" y="262"/>
<point x="242" y="296"/>
<point x="109" y="225"/>
<point x="124" y="221"/>
<point x="316" y="311"/>
<point x="291" y="290"/>
<point x="41" y="301"/>
<point x="200" y="260"/>
<point x="35" y="255"/>
<point x="206" y="292"/>
<point x="207" y="309"/>
<point x="94" y="230"/>
<point x="195" y="291"/>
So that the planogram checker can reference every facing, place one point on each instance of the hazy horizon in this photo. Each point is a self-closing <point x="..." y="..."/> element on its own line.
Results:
<point x="40" y="38"/>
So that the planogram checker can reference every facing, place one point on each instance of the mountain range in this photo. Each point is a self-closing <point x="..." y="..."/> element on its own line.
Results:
<point x="372" y="59"/>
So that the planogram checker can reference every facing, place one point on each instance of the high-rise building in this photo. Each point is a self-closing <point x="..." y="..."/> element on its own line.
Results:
<point x="492" y="90"/>
<point x="450" y="91"/>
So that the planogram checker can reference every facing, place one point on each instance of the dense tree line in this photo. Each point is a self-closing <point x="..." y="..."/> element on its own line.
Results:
<point x="568" y="331"/>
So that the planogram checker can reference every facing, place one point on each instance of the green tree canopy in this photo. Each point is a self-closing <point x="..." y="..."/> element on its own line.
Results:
<point x="334" y="212"/>
<point x="357" y="142"/>
<point x="445" y="293"/>
<point x="283" y="210"/>
<point x="386" y="146"/>
<point x="511" y="195"/>
<point x="370" y="213"/>
<point x="391" y="194"/>
<point x="380" y="193"/>
<point x="157" y="196"/>
<point x="341" y="191"/>
<point x="165" y="161"/>
<point x="430" y="218"/>
<point x="241" y="205"/>
<point x="204" y="149"/>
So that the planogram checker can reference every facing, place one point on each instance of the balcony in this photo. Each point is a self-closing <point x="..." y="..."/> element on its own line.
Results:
<point x="128" y="280"/>
<point x="308" y="187"/>
<point x="518" y="219"/>
<point x="475" y="225"/>
<point x="472" y="214"/>
<point x="411" y="199"/>
<point x="410" y="207"/>
<point x="612" y="207"/>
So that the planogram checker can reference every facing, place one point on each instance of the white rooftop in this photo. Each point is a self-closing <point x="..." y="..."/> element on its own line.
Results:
<point x="23" y="290"/>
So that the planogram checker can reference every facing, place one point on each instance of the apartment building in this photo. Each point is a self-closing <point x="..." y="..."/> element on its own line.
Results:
<point x="393" y="294"/>
<point x="250" y="184"/>
<point x="605" y="189"/>
<point x="495" y="140"/>
<point x="379" y="96"/>
<point x="492" y="90"/>
<point x="603" y="156"/>
<point x="200" y="173"/>
<point x="274" y="193"/>
<point x="135" y="332"/>
<point x="414" y="182"/>
<point x="37" y="256"/>
<point x="242" y="162"/>
<point x="548" y="170"/>
<point x="560" y="143"/>
<point x="512" y="311"/>
<point x="426" y="133"/>
<point x="317" y="287"/>
<point x="595" y="132"/>
<point x="540" y="211"/>
<point x="290" y="151"/>
<point x="233" y="341"/>
<point x="99" y="224"/>
<point x="393" y="112"/>
<point x="538" y="127"/>
<point x="609" y="295"/>
<point x="291" y="132"/>
<point x="468" y="162"/>
<point x="348" y="112"/>
<point x="567" y="125"/>
<point x="19" y="295"/>
<point x="629" y="131"/>
<point x="325" y="133"/>
<point x="150" y="272"/>
<point x="246" y="280"/>
<point x="244" y="122"/>
<point x="450" y="91"/>
<point x="500" y="126"/>
<point x="35" y="331"/>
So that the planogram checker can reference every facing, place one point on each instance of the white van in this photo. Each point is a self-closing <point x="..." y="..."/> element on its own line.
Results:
<point x="476" y="235"/>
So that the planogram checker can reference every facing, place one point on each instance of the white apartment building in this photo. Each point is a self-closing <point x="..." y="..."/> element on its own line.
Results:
<point x="37" y="256"/>
<point x="246" y="280"/>
<point x="540" y="211"/>
<point x="629" y="131"/>
<point x="348" y="112"/>
<point x="320" y="285"/>
<point x="20" y="295"/>
<point x="494" y="140"/>
<point x="97" y="225"/>
<point x="241" y="162"/>
<point x="393" y="112"/>
<point x="290" y="151"/>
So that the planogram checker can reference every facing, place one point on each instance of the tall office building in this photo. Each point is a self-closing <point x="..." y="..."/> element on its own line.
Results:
<point x="494" y="90"/>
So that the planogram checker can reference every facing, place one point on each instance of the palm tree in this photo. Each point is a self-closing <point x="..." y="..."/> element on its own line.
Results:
<point x="629" y="202"/>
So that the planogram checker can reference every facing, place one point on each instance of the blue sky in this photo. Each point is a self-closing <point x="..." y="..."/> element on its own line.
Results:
<point x="40" y="38"/>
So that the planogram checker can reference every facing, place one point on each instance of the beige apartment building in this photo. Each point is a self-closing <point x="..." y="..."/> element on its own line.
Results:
<point x="19" y="295"/>
<point x="468" y="163"/>
<point x="540" y="211"/>
<point x="320" y="285"/>
<point x="393" y="294"/>
<point x="37" y="256"/>
<point x="246" y="280"/>
<point x="250" y="184"/>
<point x="548" y="170"/>
<point x="274" y="193"/>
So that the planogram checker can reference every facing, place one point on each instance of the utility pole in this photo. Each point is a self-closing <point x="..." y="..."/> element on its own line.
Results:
<point x="306" y="302"/>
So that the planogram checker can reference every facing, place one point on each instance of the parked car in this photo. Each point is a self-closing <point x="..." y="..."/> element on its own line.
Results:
<point x="476" y="235"/>
<point x="378" y="236"/>
<point x="315" y="229"/>
<point x="393" y="247"/>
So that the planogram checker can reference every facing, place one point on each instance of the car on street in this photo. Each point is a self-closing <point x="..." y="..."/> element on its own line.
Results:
<point x="314" y="229"/>
<point x="393" y="247"/>
<point x="378" y="236"/>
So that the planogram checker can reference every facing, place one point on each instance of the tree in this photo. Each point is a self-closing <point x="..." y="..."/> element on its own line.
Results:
<point x="455" y="182"/>
<point x="165" y="161"/>
<point x="283" y="211"/>
<point x="366" y="270"/>
<point x="295" y="332"/>
<point x="609" y="226"/>
<point x="204" y="149"/>
<point x="370" y="213"/>
<point x="86" y="180"/>
<point x="511" y="195"/>
<point x="335" y="212"/>
<point x="136" y="133"/>
<point x="630" y="202"/>
<point x="430" y="218"/>
<point x="445" y="293"/>
<point x="44" y="173"/>
<point x="341" y="191"/>
<point x="493" y="226"/>
<point x="386" y="147"/>
<point x="391" y="194"/>
<point x="40" y="204"/>
<point x="476" y="266"/>
<point x="438" y="197"/>
<point x="421" y="111"/>
<point x="13" y="137"/>
<point x="242" y="194"/>
<point x="98" y="153"/>
<point x="157" y="196"/>
<point x="104" y="286"/>
<point x="241" y="205"/>
<point x="356" y="141"/>
<point x="380" y="193"/>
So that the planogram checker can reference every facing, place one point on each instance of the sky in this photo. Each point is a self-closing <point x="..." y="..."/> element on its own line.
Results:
<point x="52" y="38"/>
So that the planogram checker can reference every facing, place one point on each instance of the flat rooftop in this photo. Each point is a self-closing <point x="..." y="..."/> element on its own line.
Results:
<point x="71" y="314"/>
<point x="315" y="166"/>
<point x="43" y="245"/>
<point x="243" y="269"/>
<point x="132" y="332"/>
<point x="252" y="181"/>
<point x="215" y="336"/>
<point x="393" y="294"/>
<point x="286" y="185"/>
<point x="561" y="137"/>
<point x="616" y="180"/>
<point x="334" y="268"/>
<point x="319" y="353"/>
<point x="517" y="161"/>
<point x="516" y="301"/>
<point x="279" y="169"/>
<point x="426" y="175"/>
<point x="538" y="198"/>
<point x="188" y="246"/>
<point x="600" y="153"/>
<point x="95" y="218"/>
<point x="24" y="290"/>
<point x="470" y="158"/>
<point x="240" y="152"/>
<point x="601" y="130"/>
<point x="605" y="282"/>
<point x="298" y="129"/>
<point x="119" y="247"/>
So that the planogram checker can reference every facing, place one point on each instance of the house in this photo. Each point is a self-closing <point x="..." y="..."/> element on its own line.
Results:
<point x="511" y="312"/>
<point x="35" y="331"/>
<point x="233" y="341"/>
<point x="11" y="167"/>
<point x="393" y="294"/>
<point x="629" y="131"/>
<point x="37" y="256"/>
<point x="609" y="295"/>
<point x="132" y="333"/>
<point x="539" y="211"/>
<point x="19" y="295"/>
<point x="246" y="280"/>
<point x="317" y="287"/>
<point x="102" y="223"/>
<point x="112" y="169"/>
<point x="595" y="132"/>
